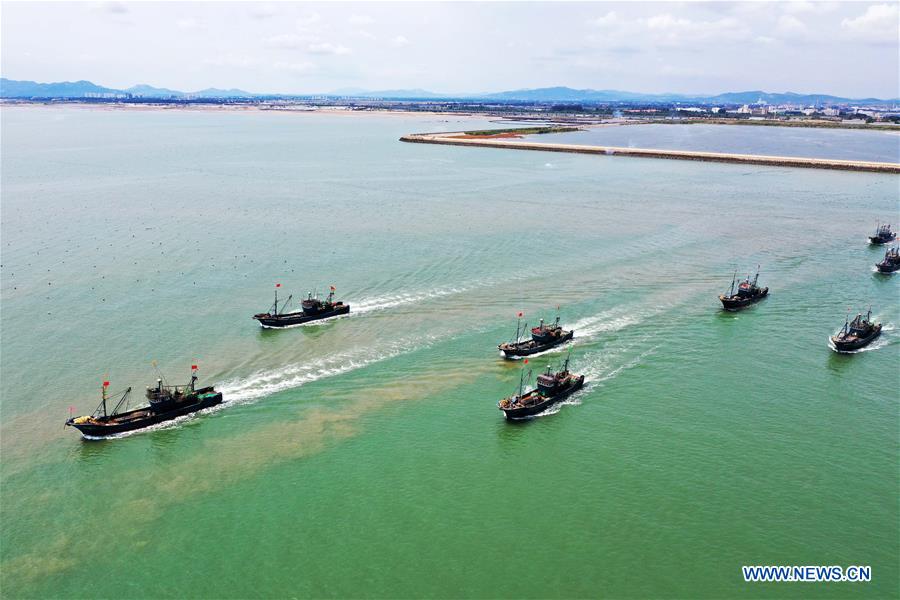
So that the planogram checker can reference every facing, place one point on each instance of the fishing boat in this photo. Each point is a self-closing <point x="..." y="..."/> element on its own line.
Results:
<point x="551" y="388"/>
<point x="748" y="292"/>
<point x="543" y="337"/>
<point x="165" y="403"/>
<point x="891" y="261"/>
<point x="856" y="334"/>
<point x="883" y="234"/>
<point x="311" y="309"/>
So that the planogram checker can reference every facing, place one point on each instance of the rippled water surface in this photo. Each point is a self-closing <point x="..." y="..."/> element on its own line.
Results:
<point x="365" y="457"/>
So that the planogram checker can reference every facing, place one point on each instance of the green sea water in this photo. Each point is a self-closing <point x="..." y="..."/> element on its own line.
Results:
<point x="366" y="457"/>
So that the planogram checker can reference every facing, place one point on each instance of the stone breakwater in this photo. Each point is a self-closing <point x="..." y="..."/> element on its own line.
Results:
<point x="453" y="139"/>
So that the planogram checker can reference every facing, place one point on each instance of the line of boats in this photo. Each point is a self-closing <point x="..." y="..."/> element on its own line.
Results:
<point x="885" y="235"/>
<point x="862" y="331"/>
<point x="167" y="402"/>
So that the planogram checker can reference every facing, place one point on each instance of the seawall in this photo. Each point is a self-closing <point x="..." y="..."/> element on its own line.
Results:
<point x="452" y="139"/>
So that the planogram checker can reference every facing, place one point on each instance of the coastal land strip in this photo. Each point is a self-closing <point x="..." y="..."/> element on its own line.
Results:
<point x="511" y="139"/>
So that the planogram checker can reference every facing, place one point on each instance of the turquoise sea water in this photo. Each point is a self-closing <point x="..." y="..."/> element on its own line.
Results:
<point x="365" y="457"/>
<point x="845" y="144"/>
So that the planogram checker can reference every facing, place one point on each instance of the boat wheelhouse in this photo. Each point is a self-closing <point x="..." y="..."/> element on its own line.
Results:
<point x="891" y="261"/>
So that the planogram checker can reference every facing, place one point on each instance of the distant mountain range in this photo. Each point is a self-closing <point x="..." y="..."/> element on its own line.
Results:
<point x="10" y="88"/>
<point x="564" y="94"/>
<point x="414" y="93"/>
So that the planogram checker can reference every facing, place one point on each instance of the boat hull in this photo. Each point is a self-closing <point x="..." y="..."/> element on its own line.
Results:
<point x="529" y="347"/>
<point x="856" y="343"/>
<point x="143" y="417"/>
<point x="881" y="241"/>
<point x="887" y="267"/>
<point x="524" y="412"/>
<point x="298" y="318"/>
<point x="737" y="303"/>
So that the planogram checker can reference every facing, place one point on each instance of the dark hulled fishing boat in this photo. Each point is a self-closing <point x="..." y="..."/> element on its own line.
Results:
<point x="856" y="334"/>
<point x="543" y="337"/>
<point x="166" y="403"/>
<point x="891" y="261"/>
<point x="312" y="309"/>
<point x="748" y="292"/>
<point x="883" y="235"/>
<point x="551" y="388"/>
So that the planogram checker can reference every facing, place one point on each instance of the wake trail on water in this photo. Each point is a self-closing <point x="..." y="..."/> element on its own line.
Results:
<point x="605" y="322"/>
<point x="596" y="369"/>
<point x="265" y="383"/>
<point x="613" y="320"/>
<point x="587" y="329"/>
<point x="368" y="305"/>
<point x="376" y="303"/>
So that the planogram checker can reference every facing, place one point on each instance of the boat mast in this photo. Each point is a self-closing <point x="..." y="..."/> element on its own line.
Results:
<point x="193" y="376"/>
<point x="522" y="378"/>
<point x="159" y="376"/>
<point x="733" y="278"/>
<point x="557" y="315"/>
<point x="122" y="400"/>
<point x="103" y="395"/>
<point x="756" y="277"/>
<point x="275" y="309"/>
<point x="518" y="323"/>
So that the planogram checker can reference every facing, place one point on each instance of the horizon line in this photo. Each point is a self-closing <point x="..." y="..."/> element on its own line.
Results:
<point x="458" y="94"/>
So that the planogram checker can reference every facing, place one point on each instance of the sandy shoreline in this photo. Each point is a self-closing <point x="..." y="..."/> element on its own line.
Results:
<point x="400" y="113"/>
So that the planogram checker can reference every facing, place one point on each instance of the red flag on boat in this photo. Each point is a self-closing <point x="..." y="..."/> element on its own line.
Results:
<point x="105" y="384"/>
<point x="193" y="367"/>
<point x="332" y="288"/>
<point x="277" y="285"/>
<point x="521" y="314"/>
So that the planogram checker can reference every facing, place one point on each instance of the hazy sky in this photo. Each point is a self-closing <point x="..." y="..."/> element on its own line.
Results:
<point x="844" y="48"/>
